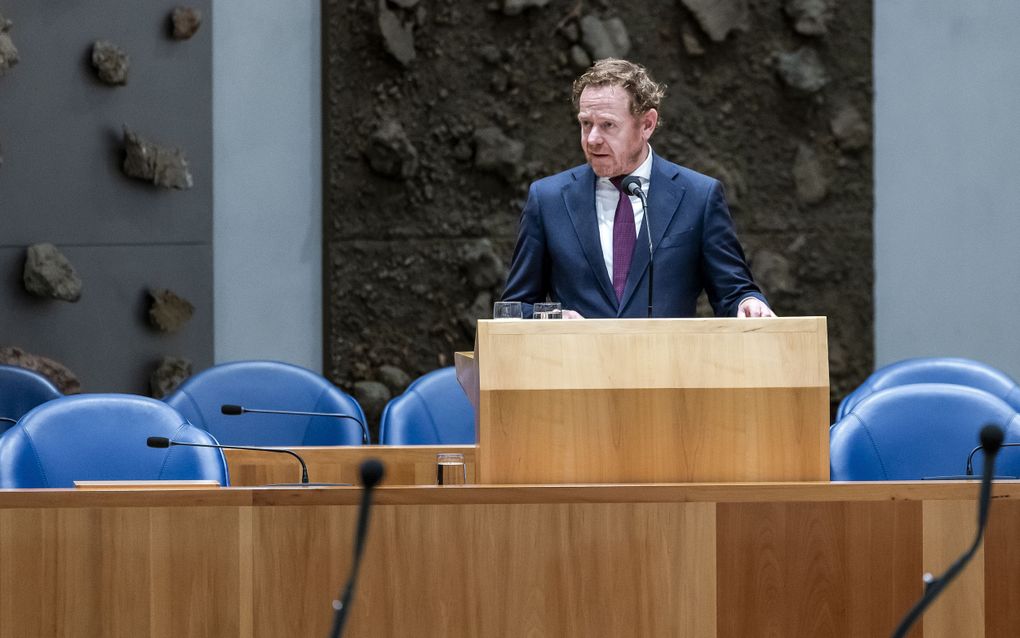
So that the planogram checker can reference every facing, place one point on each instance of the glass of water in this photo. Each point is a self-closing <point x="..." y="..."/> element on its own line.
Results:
<point x="547" y="311"/>
<point x="450" y="469"/>
<point x="507" y="310"/>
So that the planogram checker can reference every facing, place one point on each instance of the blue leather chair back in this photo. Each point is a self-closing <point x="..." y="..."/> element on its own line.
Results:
<point x="914" y="431"/>
<point x="432" y="411"/>
<point x="20" y="391"/>
<point x="268" y="385"/>
<point x="953" y="370"/>
<point x="102" y="437"/>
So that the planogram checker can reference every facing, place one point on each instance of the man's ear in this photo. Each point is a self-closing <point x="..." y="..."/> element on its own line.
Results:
<point x="649" y="120"/>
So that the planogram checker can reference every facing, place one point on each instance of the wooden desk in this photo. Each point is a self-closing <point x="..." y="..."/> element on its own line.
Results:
<point x="788" y="560"/>
<point x="405" y="464"/>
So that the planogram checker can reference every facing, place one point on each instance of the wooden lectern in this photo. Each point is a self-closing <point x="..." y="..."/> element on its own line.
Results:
<point x="650" y="400"/>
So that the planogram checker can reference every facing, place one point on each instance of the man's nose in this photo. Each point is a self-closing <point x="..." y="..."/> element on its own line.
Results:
<point x="594" y="137"/>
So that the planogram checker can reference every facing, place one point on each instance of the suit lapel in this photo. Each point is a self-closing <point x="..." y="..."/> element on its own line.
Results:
<point x="579" y="198"/>
<point x="664" y="195"/>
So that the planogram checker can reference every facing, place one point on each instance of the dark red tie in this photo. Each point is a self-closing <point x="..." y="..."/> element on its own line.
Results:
<point x="624" y="237"/>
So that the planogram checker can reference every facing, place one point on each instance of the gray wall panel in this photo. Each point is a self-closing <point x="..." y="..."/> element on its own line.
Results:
<point x="104" y="338"/>
<point x="61" y="182"/>
<point x="60" y="128"/>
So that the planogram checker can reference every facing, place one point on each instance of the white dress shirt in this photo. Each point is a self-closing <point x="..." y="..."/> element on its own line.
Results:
<point x="606" y="198"/>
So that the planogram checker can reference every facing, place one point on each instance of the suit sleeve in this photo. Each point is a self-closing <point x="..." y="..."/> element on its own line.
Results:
<point x="528" y="280"/>
<point x="728" y="280"/>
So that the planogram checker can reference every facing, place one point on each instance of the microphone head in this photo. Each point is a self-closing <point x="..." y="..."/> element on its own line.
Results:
<point x="631" y="184"/>
<point x="372" y="471"/>
<point x="158" y="441"/>
<point x="231" y="410"/>
<point x="991" y="438"/>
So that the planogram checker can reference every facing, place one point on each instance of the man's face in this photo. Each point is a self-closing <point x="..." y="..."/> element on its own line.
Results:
<point x="613" y="139"/>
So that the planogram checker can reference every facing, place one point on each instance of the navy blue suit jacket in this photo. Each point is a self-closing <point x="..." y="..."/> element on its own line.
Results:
<point x="559" y="254"/>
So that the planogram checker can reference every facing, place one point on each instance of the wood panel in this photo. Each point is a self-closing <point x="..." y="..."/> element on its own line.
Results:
<point x="495" y="570"/>
<point x="613" y="560"/>
<point x="674" y="435"/>
<point x="650" y="400"/>
<point x="405" y="465"/>
<point x="949" y="528"/>
<point x="180" y="571"/>
<point x="607" y="354"/>
<point x="1002" y="565"/>
<point x="816" y="569"/>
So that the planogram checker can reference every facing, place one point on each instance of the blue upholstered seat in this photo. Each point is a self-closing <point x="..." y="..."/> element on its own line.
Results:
<point x="20" y="391"/>
<point x="268" y="385"/>
<point x="97" y="437"/>
<point x="432" y="411"/>
<point x="953" y="370"/>
<point x="914" y="431"/>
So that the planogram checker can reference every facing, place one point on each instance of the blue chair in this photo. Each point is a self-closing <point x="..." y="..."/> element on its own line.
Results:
<point x="953" y="370"/>
<point x="102" y="437"/>
<point x="20" y="391"/>
<point x="269" y="385"/>
<point x="432" y="411"/>
<point x="920" y="430"/>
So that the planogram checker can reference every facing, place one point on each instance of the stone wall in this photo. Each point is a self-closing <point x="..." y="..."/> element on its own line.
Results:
<point x="439" y="114"/>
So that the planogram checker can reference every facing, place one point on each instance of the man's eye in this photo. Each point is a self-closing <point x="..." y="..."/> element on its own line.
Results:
<point x="607" y="125"/>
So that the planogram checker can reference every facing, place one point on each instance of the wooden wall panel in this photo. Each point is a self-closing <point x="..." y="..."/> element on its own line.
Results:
<point x="1002" y="569"/>
<point x="815" y="569"/>
<point x="494" y="570"/>
<point x="949" y="528"/>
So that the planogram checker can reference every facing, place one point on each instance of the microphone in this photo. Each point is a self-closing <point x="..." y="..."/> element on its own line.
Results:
<point x="991" y="441"/>
<point x="632" y="185"/>
<point x="970" y="457"/>
<point x="162" y="441"/>
<point x="8" y="419"/>
<point x="372" y="471"/>
<point x="234" y="410"/>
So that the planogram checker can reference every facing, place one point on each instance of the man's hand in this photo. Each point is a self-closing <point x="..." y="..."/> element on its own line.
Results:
<point x="572" y="314"/>
<point x="753" y="307"/>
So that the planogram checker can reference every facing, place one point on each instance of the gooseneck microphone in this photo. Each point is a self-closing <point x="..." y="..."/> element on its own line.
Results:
<point x="991" y="441"/>
<point x="970" y="457"/>
<point x="8" y="419"/>
<point x="372" y="471"/>
<point x="162" y="441"/>
<point x="234" y="410"/>
<point x="632" y="185"/>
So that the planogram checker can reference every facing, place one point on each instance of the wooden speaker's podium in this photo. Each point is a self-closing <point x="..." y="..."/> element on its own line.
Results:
<point x="650" y="400"/>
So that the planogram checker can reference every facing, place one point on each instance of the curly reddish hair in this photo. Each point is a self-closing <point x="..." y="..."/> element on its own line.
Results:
<point x="645" y="93"/>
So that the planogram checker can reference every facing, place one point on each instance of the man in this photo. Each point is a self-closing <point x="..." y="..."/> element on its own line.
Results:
<point x="577" y="242"/>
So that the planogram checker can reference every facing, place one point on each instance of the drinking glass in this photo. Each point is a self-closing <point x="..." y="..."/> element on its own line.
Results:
<point x="450" y="469"/>
<point x="547" y="311"/>
<point x="507" y="310"/>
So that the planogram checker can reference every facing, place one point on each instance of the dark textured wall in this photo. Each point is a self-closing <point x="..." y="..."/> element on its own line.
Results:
<point x="428" y="159"/>
<point x="61" y="182"/>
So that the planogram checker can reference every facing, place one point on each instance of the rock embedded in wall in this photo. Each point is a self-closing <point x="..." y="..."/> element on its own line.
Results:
<point x="58" y="374"/>
<point x="604" y="38"/>
<point x="169" y="374"/>
<point x="110" y="62"/>
<point x="851" y="131"/>
<point x="809" y="176"/>
<point x="164" y="166"/>
<point x="720" y="17"/>
<point x="372" y="396"/>
<point x="499" y="154"/>
<point x="391" y="152"/>
<point x="184" y="22"/>
<point x="811" y="17"/>
<point x="48" y="273"/>
<point x="168" y="312"/>
<point x="482" y="268"/>
<point x="802" y="70"/>
<point x="8" y="52"/>
<point x="397" y="34"/>
<point x="516" y="7"/>
<point x="393" y="378"/>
